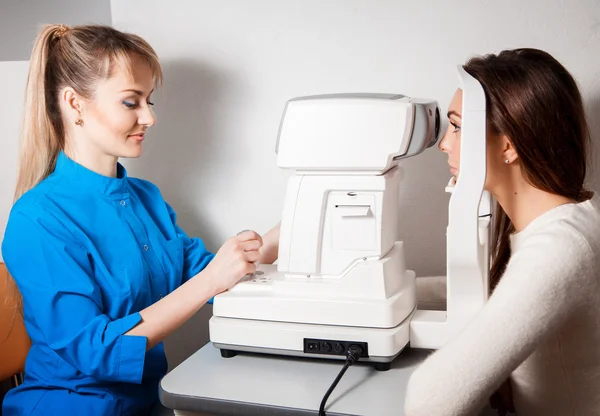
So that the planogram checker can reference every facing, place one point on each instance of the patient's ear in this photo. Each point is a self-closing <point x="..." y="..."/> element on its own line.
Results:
<point x="509" y="153"/>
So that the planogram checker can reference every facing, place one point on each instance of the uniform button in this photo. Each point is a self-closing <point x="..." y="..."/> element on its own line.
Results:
<point x="123" y="203"/>
<point x="145" y="247"/>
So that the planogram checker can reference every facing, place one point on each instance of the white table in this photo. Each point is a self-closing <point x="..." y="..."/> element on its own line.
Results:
<point x="253" y="384"/>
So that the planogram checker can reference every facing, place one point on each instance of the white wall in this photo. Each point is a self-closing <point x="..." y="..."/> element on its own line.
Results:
<point x="20" y="21"/>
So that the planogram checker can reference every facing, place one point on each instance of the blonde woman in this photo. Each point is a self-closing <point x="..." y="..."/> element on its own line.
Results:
<point x="103" y="268"/>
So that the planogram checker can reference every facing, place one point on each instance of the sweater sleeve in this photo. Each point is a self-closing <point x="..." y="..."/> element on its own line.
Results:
<point x="544" y="283"/>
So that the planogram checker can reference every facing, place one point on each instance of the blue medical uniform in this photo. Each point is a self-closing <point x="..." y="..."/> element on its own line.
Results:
<point x="88" y="253"/>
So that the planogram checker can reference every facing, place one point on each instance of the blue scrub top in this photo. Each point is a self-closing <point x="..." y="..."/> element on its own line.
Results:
<point x="88" y="253"/>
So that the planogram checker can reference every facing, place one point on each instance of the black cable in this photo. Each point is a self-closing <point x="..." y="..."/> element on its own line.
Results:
<point x="352" y="356"/>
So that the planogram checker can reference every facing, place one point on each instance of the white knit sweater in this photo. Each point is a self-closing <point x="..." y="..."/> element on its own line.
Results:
<point x="541" y="327"/>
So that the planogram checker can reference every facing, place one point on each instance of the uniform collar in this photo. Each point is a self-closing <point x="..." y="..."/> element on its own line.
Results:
<point x="79" y="174"/>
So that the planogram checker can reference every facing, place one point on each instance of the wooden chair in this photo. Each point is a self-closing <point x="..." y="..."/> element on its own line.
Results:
<point x="14" y="341"/>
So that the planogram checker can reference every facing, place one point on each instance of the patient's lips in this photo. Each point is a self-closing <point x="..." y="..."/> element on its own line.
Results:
<point x="137" y="136"/>
<point x="454" y="173"/>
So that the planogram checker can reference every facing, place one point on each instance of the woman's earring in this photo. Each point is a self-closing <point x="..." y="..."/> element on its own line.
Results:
<point x="79" y="121"/>
<point x="507" y="161"/>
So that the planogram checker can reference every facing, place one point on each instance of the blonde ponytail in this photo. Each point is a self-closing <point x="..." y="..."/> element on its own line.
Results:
<point x="39" y="144"/>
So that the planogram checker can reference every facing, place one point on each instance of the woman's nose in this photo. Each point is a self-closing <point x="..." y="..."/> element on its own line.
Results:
<point x="444" y="144"/>
<point x="147" y="118"/>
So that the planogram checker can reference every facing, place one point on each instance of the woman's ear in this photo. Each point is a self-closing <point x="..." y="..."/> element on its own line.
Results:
<point x="72" y="105"/>
<point x="509" y="153"/>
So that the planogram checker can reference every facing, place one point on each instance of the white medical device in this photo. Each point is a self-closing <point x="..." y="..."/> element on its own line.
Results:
<point x="341" y="277"/>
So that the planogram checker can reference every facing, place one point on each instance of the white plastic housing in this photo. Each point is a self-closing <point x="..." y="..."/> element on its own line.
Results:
<point x="358" y="133"/>
<point x="329" y="222"/>
<point x="287" y="339"/>
<point x="372" y="293"/>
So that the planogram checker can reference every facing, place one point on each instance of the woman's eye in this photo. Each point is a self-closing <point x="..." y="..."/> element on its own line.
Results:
<point x="456" y="127"/>
<point x="129" y="104"/>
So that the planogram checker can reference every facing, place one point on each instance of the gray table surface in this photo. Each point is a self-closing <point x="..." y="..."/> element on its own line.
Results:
<point x="256" y="384"/>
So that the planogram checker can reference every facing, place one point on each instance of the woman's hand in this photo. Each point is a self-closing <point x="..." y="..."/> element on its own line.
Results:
<point x="234" y="260"/>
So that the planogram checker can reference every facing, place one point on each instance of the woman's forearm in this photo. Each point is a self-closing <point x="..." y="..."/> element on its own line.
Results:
<point x="270" y="249"/>
<point x="165" y="316"/>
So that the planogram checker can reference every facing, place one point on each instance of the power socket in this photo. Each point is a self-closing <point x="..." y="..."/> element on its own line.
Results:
<point x="333" y="347"/>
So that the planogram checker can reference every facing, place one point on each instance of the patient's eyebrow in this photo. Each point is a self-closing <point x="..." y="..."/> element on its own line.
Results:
<point x="453" y="113"/>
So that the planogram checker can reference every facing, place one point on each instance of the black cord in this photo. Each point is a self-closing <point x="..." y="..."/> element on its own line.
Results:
<point x="352" y="356"/>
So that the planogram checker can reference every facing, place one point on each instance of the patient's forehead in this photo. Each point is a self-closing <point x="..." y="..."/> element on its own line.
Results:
<point x="456" y="102"/>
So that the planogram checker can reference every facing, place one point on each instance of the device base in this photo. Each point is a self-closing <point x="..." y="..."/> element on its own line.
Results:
<point x="380" y="346"/>
<point x="231" y="351"/>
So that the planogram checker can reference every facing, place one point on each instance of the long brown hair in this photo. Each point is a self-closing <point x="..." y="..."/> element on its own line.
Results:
<point x="78" y="57"/>
<point x="533" y="100"/>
